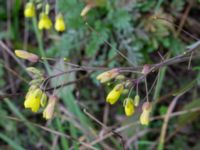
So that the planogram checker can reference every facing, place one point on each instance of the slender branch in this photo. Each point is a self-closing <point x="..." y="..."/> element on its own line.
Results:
<point x="4" y="47"/>
<point x="171" y="61"/>
<point x="51" y="131"/>
<point x="120" y="129"/>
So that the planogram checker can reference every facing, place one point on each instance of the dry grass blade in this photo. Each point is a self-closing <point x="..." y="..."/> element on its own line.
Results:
<point x="52" y="131"/>
<point x="4" y="47"/>
<point x="165" y="124"/>
<point x="120" y="129"/>
<point x="104" y="126"/>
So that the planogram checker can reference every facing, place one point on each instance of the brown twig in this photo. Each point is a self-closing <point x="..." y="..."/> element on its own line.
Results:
<point x="171" y="61"/>
<point x="120" y="129"/>
<point x="51" y="131"/>
<point x="166" y="120"/>
<point x="105" y="127"/>
<point x="4" y="47"/>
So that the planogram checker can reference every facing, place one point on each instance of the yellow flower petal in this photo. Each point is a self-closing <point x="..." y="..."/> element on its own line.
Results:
<point x="59" y="24"/>
<point x="29" y="11"/>
<point x="44" y="22"/>
<point x="114" y="95"/>
<point x="32" y="100"/>
<point x="129" y="107"/>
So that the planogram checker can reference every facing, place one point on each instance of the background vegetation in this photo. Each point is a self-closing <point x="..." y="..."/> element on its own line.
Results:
<point x="83" y="120"/>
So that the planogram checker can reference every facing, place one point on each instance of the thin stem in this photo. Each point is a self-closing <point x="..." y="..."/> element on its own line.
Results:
<point x="137" y="87"/>
<point x="130" y="91"/>
<point x="40" y="43"/>
<point x="146" y="87"/>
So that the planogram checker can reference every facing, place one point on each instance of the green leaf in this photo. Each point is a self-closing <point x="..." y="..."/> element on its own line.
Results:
<point x="120" y="19"/>
<point x="96" y="40"/>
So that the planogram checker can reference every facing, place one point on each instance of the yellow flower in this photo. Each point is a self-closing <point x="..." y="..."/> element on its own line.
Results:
<point x="29" y="11"/>
<point x="108" y="75"/>
<point x="129" y="107"/>
<point x="44" y="22"/>
<point x="136" y="100"/>
<point x="144" y="118"/>
<point x="32" y="100"/>
<point x="49" y="110"/>
<point x="114" y="95"/>
<point x="60" y="24"/>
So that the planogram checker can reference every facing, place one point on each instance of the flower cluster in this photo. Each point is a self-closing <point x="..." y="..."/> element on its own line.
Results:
<point x="128" y="103"/>
<point x="36" y="97"/>
<point x="44" y="20"/>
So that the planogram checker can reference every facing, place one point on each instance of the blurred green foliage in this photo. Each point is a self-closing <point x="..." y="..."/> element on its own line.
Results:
<point x="130" y="28"/>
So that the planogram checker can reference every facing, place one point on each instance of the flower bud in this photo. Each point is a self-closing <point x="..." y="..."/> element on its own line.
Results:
<point x="114" y="95"/>
<point x="120" y="77"/>
<point x="37" y="81"/>
<point x="86" y="9"/>
<point x="43" y="100"/>
<point x="147" y="106"/>
<point x="29" y="11"/>
<point x="44" y="22"/>
<point x="26" y="55"/>
<point x="145" y="116"/>
<point x="136" y="100"/>
<point x="108" y="75"/>
<point x="129" y="107"/>
<point x="37" y="73"/>
<point x="145" y="69"/>
<point x="49" y="110"/>
<point x="60" y="24"/>
<point x="47" y="8"/>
